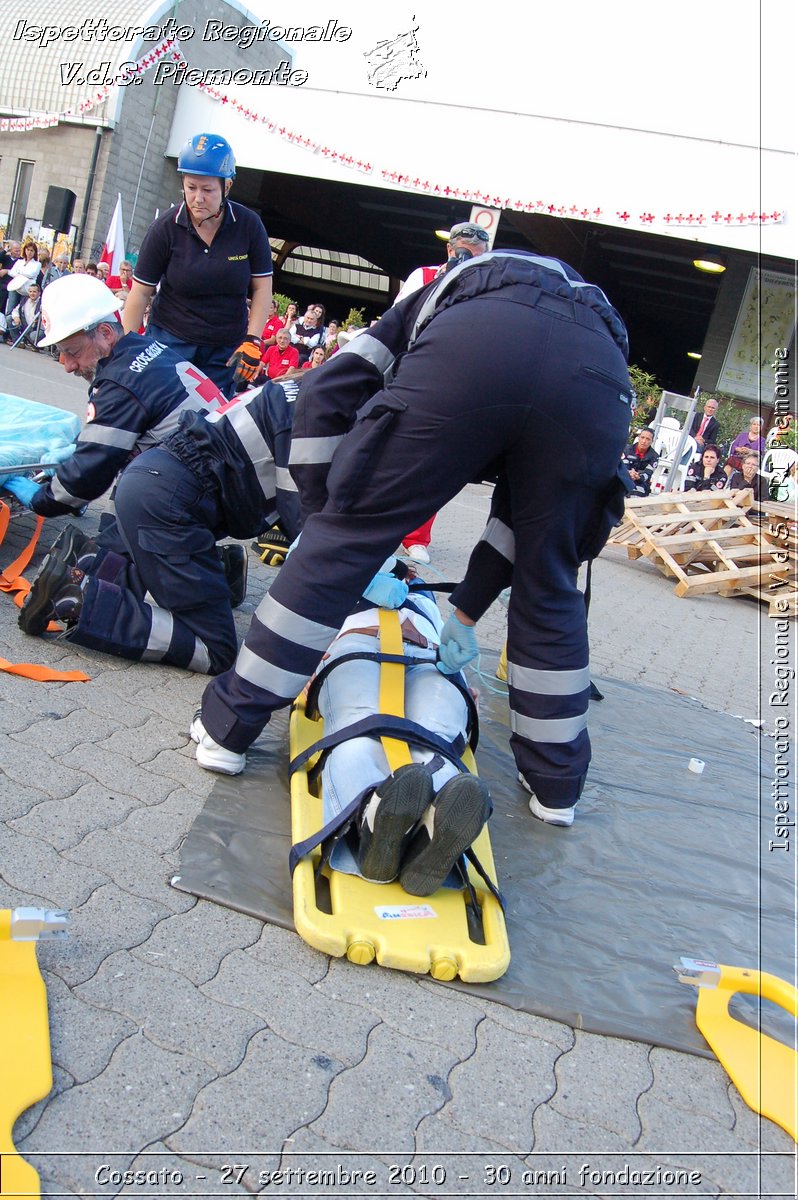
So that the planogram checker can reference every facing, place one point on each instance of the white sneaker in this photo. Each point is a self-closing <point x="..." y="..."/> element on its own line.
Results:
<point x="418" y="553"/>
<point x="552" y="816"/>
<point x="211" y="755"/>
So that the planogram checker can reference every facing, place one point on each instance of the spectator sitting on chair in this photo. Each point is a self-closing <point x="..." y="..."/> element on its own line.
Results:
<point x="22" y="274"/>
<point x="704" y="425"/>
<point x="748" y="476"/>
<point x="317" y="357"/>
<point x="282" y="357"/>
<point x="707" y="475"/>
<point x="24" y="318"/>
<point x="640" y="458"/>
<point x="749" y="439"/>
<point x="79" y="267"/>
<point x="91" y="269"/>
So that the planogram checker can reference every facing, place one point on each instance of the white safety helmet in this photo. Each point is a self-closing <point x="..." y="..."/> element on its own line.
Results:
<point x="74" y="303"/>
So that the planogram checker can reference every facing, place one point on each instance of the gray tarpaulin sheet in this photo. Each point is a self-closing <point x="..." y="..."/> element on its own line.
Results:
<point x="659" y="863"/>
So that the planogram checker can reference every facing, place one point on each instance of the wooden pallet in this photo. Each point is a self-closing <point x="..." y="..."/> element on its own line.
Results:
<point x="709" y="542"/>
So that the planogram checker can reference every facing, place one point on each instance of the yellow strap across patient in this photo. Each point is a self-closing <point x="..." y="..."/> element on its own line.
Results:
<point x="392" y="686"/>
<point x="25" y="1069"/>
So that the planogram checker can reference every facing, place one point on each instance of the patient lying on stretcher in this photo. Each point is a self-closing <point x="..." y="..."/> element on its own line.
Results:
<point x="415" y="823"/>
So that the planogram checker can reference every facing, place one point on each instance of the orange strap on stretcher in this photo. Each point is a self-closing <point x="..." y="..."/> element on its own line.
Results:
<point x="12" y="582"/>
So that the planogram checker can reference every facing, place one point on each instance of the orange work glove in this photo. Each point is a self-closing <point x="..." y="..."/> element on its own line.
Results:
<point x="246" y="359"/>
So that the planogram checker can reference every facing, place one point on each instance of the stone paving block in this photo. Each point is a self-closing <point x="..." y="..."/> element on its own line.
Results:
<point x="349" y="1173"/>
<point x="276" y="1089"/>
<point x="285" y="947"/>
<point x="217" y="1033"/>
<point x="32" y="766"/>
<point x="17" y="799"/>
<point x="376" y="1105"/>
<point x="172" y="1175"/>
<point x="566" y="1135"/>
<point x="144" y="1091"/>
<point x="293" y="1008"/>
<point x="496" y="1091"/>
<point x="133" y="867"/>
<point x="754" y="1130"/>
<point x="430" y="1015"/>
<point x="196" y="942"/>
<point x="82" y="1057"/>
<point x="582" y="1074"/>
<point x="119" y="774"/>
<point x="687" y="1081"/>
<point x="172" y="706"/>
<point x="29" y="1119"/>
<point x="466" y="1157"/>
<point x="181" y="766"/>
<point x="631" y="1174"/>
<point x="143" y="742"/>
<point x="665" y="1127"/>
<point x="163" y="826"/>
<point x="109" y="920"/>
<point x="59" y="736"/>
<point x="19" y="714"/>
<point x="31" y="862"/>
<point x="523" y="1023"/>
<point x="64" y="823"/>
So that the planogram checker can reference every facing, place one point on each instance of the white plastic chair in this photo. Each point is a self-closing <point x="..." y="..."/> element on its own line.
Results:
<point x="667" y="475"/>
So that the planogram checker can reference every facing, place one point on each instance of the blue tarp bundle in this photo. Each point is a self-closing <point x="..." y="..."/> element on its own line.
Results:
<point x="33" y="433"/>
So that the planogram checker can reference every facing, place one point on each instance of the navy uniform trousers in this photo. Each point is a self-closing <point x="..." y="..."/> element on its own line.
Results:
<point x="552" y="413"/>
<point x="166" y="599"/>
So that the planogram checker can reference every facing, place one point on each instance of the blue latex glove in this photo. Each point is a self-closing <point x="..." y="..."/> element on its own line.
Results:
<point x="24" y="489"/>
<point x="386" y="591"/>
<point x="458" y="646"/>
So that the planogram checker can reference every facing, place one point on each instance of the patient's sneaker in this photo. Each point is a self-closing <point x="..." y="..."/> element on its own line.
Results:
<point x="552" y="816"/>
<point x="394" y="808"/>
<point x="450" y="825"/>
<point x="210" y="754"/>
<point x="55" y="595"/>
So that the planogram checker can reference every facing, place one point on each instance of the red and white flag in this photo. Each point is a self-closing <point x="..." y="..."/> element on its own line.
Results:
<point x="114" y="247"/>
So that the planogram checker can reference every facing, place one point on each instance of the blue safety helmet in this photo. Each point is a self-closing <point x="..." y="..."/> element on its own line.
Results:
<point x="207" y="154"/>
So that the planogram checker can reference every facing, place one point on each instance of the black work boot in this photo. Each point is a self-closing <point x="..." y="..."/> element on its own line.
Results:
<point x="393" y="809"/>
<point x="56" y="595"/>
<point x="73" y="547"/>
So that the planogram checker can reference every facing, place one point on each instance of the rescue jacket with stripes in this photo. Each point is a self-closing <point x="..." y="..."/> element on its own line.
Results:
<point x="243" y="447"/>
<point x="139" y="393"/>
<point x="330" y="399"/>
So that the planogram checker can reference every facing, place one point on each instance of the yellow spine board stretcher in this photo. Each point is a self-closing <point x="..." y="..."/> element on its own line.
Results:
<point x="380" y="920"/>
<point x="764" y="1070"/>
<point x="25" y="1069"/>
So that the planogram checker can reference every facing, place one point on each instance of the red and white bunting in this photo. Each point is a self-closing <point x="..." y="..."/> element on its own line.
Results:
<point x="170" y="49"/>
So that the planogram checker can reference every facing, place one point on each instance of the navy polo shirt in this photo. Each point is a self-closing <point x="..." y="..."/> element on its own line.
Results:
<point x="203" y="289"/>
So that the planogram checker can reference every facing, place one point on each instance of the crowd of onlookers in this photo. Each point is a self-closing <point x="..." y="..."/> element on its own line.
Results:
<point x="713" y="467"/>
<point x="300" y="343"/>
<point x="27" y="269"/>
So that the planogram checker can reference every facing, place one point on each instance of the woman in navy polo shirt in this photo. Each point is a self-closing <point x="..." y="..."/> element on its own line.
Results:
<point x="204" y="257"/>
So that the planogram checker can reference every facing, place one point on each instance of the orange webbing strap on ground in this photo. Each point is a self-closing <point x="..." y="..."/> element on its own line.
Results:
<point x="11" y="581"/>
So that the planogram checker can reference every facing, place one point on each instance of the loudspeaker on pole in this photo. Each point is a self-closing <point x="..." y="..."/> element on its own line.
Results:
<point x="59" y="208"/>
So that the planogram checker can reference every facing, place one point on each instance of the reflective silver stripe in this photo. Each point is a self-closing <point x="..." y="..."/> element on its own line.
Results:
<point x="284" y="480"/>
<point x="158" y="433"/>
<point x="309" y="451"/>
<point x="548" y="683"/>
<point x="160" y="638"/>
<point x="562" y="729"/>
<point x="366" y="346"/>
<point x="63" y="496"/>
<point x="431" y="302"/>
<point x="256" y="446"/>
<point x="270" y="678"/>
<point x="293" y="628"/>
<point x="108" y="435"/>
<point x="201" y="662"/>
<point x="500" y="537"/>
